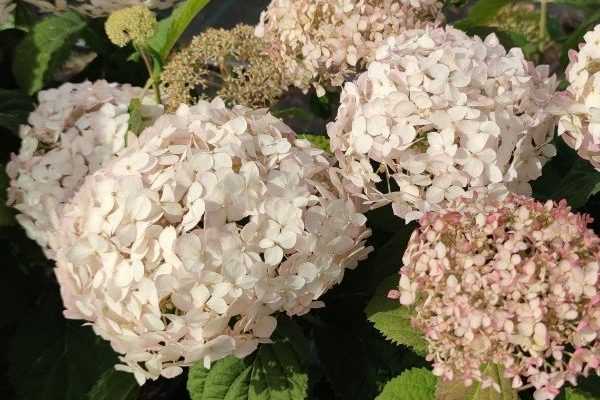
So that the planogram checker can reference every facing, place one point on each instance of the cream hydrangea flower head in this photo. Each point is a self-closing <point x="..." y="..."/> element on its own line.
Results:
<point x="326" y="42"/>
<point x="579" y="105"/>
<point x="512" y="282"/>
<point x="73" y="131"/>
<point x="98" y="8"/>
<point x="440" y="115"/>
<point x="181" y="249"/>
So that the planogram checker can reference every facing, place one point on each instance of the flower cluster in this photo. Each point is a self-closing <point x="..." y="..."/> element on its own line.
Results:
<point x="246" y="74"/>
<point x="6" y="10"/>
<point x="181" y="249"/>
<point x="511" y="282"/>
<point x="98" y="8"/>
<point x="441" y="115"/>
<point x="579" y="105"/>
<point x="74" y="130"/>
<point x="326" y="42"/>
<point x="134" y="24"/>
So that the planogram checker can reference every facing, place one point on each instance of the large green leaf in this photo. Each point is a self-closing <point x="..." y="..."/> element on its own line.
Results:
<point x="414" y="384"/>
<point x="567" y="176"/>
<point x="170" y="29"/>
<point x="456" y="390"/>
<point x="392" y="319"/>
<point x="588" y="388"/>
<point x="15" y="107"/>
<point x="52" y="359"/>
<point x="276" y="372"/>
<point x="115" y="385"/>
<point x="357" y="360"/>
<point x="45" y="48"/>
<point x="227" y="379"/>
<point x="481" y="12"/>
<point x="574" y="394"/>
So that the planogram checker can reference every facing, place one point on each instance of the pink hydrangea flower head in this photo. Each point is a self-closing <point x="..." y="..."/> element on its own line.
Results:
<point x="512" y="282"/>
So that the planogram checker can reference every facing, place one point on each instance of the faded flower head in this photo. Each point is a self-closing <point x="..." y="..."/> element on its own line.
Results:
<point x="6" y="10"/>
<point x="232" y="64"/>
<point x="74" y="130"/>
<point x="181" y="249"/>
<point x="512" y="282"/>
<point x="134" y="24"/>
<point x="98" y="8"/>
<point x="326" y="42"/>
<point x="579" y="105"/>
<point x="440" y="115"/>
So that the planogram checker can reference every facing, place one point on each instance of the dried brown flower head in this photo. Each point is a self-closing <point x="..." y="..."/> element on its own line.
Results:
<point x="232" y="64"/>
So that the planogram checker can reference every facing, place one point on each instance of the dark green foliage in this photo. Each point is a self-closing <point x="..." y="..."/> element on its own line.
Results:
<point x="567" y="176"/>
<point x="45" y="48"/>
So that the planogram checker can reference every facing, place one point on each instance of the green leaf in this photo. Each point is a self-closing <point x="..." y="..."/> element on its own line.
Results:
<point x="480" y="13"/>
<point x="414" y="384"/>
<point x="14" y="109"/>
<point x="393" y="319"/>
<point x="356" y="359"/>
<point x="45" y="48"/>
<point x="455" y="390"/>
<point x="115" y="385"/>
<point x="590" y="386"/>
<point x="567" y="176"/>
<point x="55" y="359"/>
<point x="319" y="141"/>
<point x="227" y="379"/>
<point x="293" y="112"/>
<point x="278" y="371"/>
<point x="170" y="29"/>
<point x="574" y="394"/>
<point x="275" y="373"/>
<point x="136" y="120"/>
<point x="587" y="388"/>
<point x="6" y="214"/>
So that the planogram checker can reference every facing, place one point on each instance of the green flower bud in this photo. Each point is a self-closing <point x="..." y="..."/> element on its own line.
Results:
<point x="135" y="24"/>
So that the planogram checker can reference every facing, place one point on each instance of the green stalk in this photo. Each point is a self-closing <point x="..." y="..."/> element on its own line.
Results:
<point x="543" y="18"/>
<point x="151" y="74"/>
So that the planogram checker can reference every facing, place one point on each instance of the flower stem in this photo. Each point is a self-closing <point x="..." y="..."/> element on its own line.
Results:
<point x="543" y="18"/>
<point x="151" y="74"/>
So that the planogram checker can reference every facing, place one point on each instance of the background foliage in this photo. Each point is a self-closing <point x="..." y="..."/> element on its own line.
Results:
<point x="336" y="352"/>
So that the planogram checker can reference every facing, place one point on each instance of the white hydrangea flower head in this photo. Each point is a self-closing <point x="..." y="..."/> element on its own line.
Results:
<point x="6" y="10"/>
<point x="73" y="131"/>
<point x="183" y="248"/>
<point x="440" y="115"/>
<point x="579" y="105"/>
<point x="98" y="8"/>
<point x="326" y="42"/>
